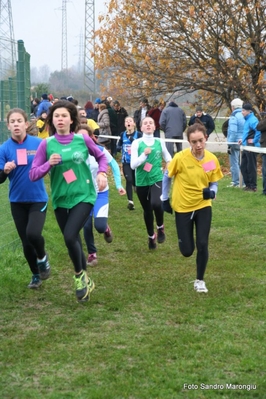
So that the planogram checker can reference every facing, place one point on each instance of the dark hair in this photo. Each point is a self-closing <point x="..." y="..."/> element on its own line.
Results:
<point x="196" y="127"/>
<point x="18" y="111"/>
<point x="84" y="126"/>
<point x="72" y="109"/>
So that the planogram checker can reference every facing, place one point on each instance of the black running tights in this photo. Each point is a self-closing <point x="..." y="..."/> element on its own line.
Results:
<point x="71" y="222"/>
<point x="185" y="225"/>
<point x="29" y="219"/>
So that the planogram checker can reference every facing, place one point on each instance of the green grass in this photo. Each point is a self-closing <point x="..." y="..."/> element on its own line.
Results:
<point x="145" y="333"/>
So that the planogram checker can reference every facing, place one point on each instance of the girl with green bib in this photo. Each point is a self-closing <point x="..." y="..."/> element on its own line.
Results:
<point x="64" y="156"/>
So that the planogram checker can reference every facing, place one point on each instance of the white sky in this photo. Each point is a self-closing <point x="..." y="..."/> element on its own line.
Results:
<point x="39" y="24"/>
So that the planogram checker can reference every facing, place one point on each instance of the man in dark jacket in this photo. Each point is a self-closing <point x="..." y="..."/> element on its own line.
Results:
<point x="113" y="126"/>
<point x="142" y="112"/>
<point x="206" y="119"/>
<point x="173" y="122"/>
<point x="121" y="114"/>
<point x="261" y="126"/>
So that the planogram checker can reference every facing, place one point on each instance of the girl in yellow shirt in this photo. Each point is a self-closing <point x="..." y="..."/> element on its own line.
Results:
<point x="196" y="172"/>
<point x="42" y="132"/>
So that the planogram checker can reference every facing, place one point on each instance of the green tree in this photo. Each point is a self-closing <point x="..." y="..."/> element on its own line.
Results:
<point x="157" y="47"/>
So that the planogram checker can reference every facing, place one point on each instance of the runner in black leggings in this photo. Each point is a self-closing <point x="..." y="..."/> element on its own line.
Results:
<point x="28" y="200"/>
<point x="147" y="154"/>
<point x="196" y="173"/>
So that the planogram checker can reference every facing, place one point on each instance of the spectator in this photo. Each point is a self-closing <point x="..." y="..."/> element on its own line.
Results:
<point x="34" y="106"/>
<point x="251" y="137"/>
<point x="234" y="134"/>
<point x="89" y="109"/>
<point x="155" y="113"/>
<point x="262" y="128"/>
<point x="104" y="124"/>
<point x="95" y="112"/>
<point x="173" y="122"/>
<point x="113" y="125"/>
<point x="44" y="105"/>
<point x="204" y="118"/>
<point x="142" y="112"/>
<point x="121" y="116"/>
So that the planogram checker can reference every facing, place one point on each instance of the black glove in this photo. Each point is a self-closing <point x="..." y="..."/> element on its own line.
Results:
<point x="208" y="194"/>
<point x="166" y="206"/>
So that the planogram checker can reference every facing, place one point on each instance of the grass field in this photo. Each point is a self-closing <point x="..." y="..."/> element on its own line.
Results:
<point x="145" y="334"/>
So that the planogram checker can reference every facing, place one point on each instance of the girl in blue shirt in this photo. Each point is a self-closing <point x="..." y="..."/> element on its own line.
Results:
<point x="28" y="200"/>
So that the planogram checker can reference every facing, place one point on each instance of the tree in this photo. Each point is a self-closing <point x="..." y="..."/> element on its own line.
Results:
<point x="158" y="47"/>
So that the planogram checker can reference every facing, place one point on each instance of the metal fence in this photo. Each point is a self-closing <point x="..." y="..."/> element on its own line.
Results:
<point x="15" y="89"/>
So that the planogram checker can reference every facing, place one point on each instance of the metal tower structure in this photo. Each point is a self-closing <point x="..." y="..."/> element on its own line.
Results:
<point x="8" y="51"/>
<point x="64" y="58"/>
<point x="89" y="70"/>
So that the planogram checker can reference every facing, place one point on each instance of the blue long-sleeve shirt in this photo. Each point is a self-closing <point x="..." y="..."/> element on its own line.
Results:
<point x="21" y="188"/>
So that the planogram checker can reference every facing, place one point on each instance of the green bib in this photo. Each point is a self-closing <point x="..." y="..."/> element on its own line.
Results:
<point x="143" y="177"/>
<point x="71" y="180"/>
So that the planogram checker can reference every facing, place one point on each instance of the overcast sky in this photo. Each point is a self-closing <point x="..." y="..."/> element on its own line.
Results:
<point x="39" y="24"/>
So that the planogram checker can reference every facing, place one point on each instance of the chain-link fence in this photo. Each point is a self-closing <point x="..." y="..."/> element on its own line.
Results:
<point x="15" y="89"/>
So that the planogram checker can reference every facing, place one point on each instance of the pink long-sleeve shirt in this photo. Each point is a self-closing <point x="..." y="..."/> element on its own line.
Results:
<point x="41" y="166"/>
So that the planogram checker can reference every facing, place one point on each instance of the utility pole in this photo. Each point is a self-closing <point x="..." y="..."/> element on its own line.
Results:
<point x="8" y="49"/>
<point x="89" y="70"/>
<point x="64" y="57"/>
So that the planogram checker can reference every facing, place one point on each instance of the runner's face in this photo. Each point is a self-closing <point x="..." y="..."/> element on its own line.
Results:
<point x="17" y="126"/>
<point x="148" y="126"/>
<point x="197" y="141"/>
<point x="62" y="120"/>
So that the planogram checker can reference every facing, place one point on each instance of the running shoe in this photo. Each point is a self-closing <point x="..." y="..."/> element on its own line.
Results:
<point x="108" y="236"/>
<point x="199" y="286"/>
<point x="160" y="235"/>
<point x="36" y="282"/>
<point x="44" y="268"/>
<point x="92" y="260"/>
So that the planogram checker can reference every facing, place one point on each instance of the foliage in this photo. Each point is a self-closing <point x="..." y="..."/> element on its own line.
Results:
<point x="159" y="47"/>
<point x="40" y="89"/>
<point x="145" y="333"/>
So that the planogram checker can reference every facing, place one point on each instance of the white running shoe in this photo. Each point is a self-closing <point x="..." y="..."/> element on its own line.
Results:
<point x="199" y="286"/>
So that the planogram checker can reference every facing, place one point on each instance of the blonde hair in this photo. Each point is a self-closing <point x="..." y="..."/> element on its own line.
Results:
<point x="102" y="107"/>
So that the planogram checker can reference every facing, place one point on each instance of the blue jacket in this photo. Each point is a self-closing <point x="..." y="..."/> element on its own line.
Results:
<point x="43" y="107"/>
<point x="250" y="130"/>
<point x="235" y="126"/>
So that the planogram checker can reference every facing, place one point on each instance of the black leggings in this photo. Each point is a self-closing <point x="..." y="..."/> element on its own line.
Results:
<point x="130" y="180"/>
<point x="71" y="222"/>
<point x="149" y="197"/>
<point x="29" y="219"/>
<point x="185" y="225"/>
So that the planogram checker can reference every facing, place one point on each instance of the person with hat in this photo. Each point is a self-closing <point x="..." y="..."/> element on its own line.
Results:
<point x="44" y="105"/>
<point x="250" y="137"/>
<point x="95" y="112"/>
<point x="204" y="118"/>
<point x="234" y="134"/>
